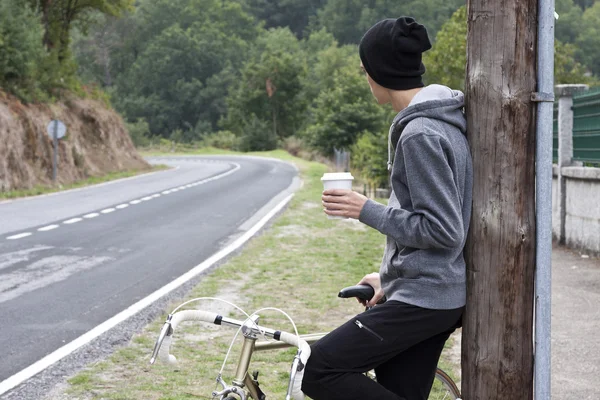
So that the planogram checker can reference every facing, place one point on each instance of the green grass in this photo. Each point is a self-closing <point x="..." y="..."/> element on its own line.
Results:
<point x="37" y="190"/>
<point x="298" y="264"/>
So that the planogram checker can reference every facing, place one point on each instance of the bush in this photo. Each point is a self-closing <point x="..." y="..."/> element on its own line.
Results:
<point x="225" y="140"/>
<point x="139" y="132"/>
<point x="21" y="50"/>
<point x="258" y="135"/>
<point x="293" y="145"/>
<point x="369" y="158"/>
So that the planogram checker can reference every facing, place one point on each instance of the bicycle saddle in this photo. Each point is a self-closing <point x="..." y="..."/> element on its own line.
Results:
<point x="363" y="292"/>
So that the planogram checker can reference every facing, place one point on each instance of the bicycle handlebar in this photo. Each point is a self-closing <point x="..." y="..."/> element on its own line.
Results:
<point x="162" y="348"/>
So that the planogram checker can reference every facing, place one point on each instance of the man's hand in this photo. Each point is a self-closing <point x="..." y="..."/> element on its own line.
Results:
<point x="343" y="203"/>
<point x="374" y="281"/>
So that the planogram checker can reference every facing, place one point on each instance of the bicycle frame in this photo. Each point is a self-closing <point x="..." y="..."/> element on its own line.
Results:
<point x="249" y="346"/>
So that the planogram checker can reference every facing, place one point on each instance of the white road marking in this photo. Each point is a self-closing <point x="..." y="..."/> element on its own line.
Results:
<point x="19" y="236"/>
<point x="133" y="202"/>
<point x="48" y="228"/>
<point x="87" y="337"/>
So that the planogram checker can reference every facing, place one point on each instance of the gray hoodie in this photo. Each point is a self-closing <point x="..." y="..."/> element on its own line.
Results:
<point x="427" y="217"/>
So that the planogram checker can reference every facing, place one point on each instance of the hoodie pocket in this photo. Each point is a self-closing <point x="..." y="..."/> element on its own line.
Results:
<point x="368" y="330"/>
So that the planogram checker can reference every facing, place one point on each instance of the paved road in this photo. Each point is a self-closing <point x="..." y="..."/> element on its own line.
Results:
<point x="575" y="326"/>
<point x="72" y="260"/>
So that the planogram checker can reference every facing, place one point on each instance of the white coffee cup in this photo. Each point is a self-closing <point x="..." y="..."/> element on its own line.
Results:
<point x="337" y="180"/>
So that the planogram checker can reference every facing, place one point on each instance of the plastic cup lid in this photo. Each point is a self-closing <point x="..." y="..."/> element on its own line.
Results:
<point x="337" y="176"/>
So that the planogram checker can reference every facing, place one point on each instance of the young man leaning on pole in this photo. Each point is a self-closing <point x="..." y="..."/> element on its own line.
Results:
<point x="423" y="272"/>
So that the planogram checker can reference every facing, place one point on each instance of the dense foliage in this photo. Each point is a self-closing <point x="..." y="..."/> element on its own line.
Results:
<point x="446" y="62"/>
<point x="248" y="74"/>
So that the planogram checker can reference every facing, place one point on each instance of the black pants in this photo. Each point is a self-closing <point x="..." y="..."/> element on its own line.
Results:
<point x="401" y="342"/>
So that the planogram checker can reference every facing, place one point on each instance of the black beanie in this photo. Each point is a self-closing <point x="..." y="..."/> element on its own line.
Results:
<point x="391" y="53"/>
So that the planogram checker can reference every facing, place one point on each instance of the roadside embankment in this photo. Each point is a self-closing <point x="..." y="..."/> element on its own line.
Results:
<point x="96" y="144"/>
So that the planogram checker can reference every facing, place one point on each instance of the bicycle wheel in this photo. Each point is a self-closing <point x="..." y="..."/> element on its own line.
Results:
<point x="444" y="387"/>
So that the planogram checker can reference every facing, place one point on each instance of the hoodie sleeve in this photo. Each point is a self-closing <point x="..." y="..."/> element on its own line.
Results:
<point x="436" y="220"/>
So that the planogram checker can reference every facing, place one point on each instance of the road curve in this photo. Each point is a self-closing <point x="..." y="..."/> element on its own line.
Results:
<point x="71" y="260"/>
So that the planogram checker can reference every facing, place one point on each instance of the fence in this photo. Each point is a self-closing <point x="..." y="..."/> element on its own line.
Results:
<point x="576" y="189"/>
<point x="586" y="127"/>
<point x="342" y="160"/>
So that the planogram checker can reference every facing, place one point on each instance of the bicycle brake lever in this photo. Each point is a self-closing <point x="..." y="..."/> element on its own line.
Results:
<point x="165" y="331"/>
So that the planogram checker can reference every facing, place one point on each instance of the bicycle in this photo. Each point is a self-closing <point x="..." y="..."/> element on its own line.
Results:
<point x="246" y="386"/>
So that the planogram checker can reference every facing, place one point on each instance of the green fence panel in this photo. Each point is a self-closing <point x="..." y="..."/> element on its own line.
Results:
<point x="586" y="126"/>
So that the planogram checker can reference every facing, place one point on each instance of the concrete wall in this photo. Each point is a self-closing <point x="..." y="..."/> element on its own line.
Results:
<point x="582" y="208"/>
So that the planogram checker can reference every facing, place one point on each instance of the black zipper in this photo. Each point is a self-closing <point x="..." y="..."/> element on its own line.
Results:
<point x="371" y="331"/>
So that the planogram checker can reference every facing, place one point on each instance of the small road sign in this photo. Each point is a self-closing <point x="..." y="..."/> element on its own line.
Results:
<point x="58" y="127"/>
<point x="57" y="130"/>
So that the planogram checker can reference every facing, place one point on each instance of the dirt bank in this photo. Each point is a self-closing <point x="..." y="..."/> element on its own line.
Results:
<point x="96" y="143"/>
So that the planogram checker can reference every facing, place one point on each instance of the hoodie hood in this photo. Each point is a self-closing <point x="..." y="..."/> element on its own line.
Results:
<point x="433" y="102"/>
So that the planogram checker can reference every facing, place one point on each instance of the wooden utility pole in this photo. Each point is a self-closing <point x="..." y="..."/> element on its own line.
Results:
<point x="497" y="340"/>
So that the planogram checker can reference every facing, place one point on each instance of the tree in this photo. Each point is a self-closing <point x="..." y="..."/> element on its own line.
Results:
<point x="270" y="88"/>
<point x="584" y="4"/>
<point x="324" y="58"/>
<point x="588" y="40"/>
<point x="293" y="14"/>
<point x="94" y="50"/>
<point x="369" y="158"/>
<point x="446" y="61"/>
<point x="343" y="112"/>
<point x="21" y="49"/>
<point x="567" y="69"/>
<point x="59" y="16"/>
<point x="569" y="22"/>
<point x="348" y="20"/>
<point x="171" y="62"/>
<point x="170" y="85"/>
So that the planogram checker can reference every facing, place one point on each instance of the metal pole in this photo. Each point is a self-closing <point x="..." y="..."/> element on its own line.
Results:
<point x="55" y="155"/>
<point x="543" y="281"/>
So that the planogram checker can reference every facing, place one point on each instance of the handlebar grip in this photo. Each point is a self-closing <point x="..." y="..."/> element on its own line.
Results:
<point x="164" y="353"/>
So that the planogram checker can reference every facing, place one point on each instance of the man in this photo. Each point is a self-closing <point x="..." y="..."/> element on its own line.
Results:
<point x="422" y="273"/>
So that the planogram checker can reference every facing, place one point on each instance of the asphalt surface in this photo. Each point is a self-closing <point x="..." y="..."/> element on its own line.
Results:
<point x="575" y="325"/>
<point x="60" y="282"/>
